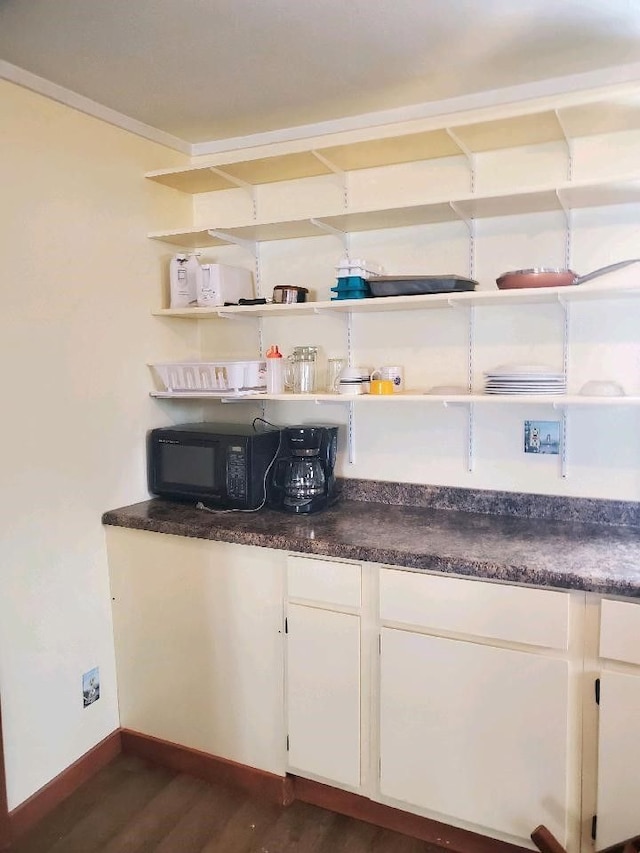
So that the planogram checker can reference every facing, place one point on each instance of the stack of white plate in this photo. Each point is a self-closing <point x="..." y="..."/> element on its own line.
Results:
<point x="524" y="379"/>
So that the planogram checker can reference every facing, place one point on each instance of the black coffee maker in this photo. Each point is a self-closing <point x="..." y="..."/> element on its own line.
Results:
<point x="303" y="478"/>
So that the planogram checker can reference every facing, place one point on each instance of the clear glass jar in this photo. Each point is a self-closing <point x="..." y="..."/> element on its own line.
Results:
<point x="301" y="370"/>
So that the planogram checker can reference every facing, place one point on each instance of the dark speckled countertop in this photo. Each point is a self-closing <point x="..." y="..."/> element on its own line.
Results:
<point x="507" y="540"/>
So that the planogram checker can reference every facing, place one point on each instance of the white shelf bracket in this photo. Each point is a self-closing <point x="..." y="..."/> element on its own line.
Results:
<point x="227" y="315"/>
<point x="330" y="229"/>
<point x="339" y="173"/>
<point x="237" y="182"/>
<point x="470" y="222"/>
<point x="250" y="246"/>
<point x="328" y="163"/>
<point x="568" y="218"/>
<point x="568" y="142"/>
<point x="468" y="153"/>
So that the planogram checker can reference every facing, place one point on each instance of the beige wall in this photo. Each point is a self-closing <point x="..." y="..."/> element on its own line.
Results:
<point x="78" y="282"/>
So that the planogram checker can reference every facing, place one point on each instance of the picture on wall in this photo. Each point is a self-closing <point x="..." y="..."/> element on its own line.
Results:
<point x="542" y="437"/>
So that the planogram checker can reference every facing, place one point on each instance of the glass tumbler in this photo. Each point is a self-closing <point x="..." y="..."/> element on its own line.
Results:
<point x="334" y="369"/>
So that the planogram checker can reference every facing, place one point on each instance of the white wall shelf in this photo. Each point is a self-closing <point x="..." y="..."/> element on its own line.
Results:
<point x="531" y="296"/>
<point x="560" y="196"/>
<point x="460" y="135"/>
<point x="555" y="401"/>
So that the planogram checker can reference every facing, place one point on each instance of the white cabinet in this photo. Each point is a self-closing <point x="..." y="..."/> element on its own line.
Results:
<point x="618" y="798"/>
<point x="323" y="694"/>
<point x="469" y="704"/>
<point x="471" y="731"/>
<point x="474" y="733"/>
<point x="323" y="670"/>
<point x="198" y="631"/>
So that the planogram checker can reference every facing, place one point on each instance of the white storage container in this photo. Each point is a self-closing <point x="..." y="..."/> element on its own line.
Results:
<point x="214" y="376"/>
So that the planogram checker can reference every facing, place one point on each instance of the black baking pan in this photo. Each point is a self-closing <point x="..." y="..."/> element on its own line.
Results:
<point x="411" y="285"/>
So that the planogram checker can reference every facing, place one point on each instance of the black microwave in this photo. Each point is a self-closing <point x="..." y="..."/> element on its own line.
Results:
<point x="225" y="465"/>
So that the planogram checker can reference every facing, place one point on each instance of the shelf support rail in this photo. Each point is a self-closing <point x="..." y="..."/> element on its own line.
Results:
<point x="566" y="331"/>
<point x="470" y="367"/>
<point x="351" y="437"/>
<point x="351" y="430"/>
<point x="470" y="439"/>
<point x="569" y="143"/>
<point x="564" y="433"/>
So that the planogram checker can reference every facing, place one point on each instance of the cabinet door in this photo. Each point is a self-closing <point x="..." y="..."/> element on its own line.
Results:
<point x="323" y="694"/>
<point x="198" y="631"/>
<point x="618" y="759"/>
<point x="474" y="732"/>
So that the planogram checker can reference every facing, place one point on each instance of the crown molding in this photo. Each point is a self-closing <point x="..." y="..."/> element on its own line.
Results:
<point x="27" y="80"/>
<point x="598" y="83"/>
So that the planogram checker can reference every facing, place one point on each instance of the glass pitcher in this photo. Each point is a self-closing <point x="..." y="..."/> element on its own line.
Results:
<point x="300" y="374"/>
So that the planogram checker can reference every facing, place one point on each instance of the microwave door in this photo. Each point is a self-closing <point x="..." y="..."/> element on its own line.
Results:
<point x="192" y="469"/>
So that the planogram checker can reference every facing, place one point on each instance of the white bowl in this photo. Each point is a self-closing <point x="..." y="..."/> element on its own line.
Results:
<point x="602" y="388"/>
<point x="448" y="390"/>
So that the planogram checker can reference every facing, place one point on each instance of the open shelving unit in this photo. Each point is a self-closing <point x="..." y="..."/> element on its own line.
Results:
<point x="463" y="136"/>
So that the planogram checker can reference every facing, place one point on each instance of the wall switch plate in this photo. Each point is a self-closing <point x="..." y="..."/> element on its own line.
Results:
<point x="91" y="686"/>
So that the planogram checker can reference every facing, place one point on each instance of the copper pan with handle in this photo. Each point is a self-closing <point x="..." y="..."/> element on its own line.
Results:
<point x="555" y="277"/>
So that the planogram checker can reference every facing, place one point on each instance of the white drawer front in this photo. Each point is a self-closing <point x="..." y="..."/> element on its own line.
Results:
<point x="324" y="581"/>
<point x="620" y="631"/>
<point x="536" y="617"/>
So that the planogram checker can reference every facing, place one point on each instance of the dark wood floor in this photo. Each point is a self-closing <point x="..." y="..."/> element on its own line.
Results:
<point x="134" y="807"/>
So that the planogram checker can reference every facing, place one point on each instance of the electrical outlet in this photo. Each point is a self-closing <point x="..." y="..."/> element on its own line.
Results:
<point x="91" y="686"/>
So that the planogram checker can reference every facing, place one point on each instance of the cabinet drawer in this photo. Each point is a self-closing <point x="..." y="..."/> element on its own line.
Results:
<point x="536" y="617"/>
<point x="620" y="631"/>
<point x="323" y="581"/>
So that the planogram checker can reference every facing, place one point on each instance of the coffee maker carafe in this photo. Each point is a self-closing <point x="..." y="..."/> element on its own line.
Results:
<point x="303" y="477"/>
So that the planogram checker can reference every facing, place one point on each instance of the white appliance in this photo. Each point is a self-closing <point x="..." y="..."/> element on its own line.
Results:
<point x="221" y="283"/>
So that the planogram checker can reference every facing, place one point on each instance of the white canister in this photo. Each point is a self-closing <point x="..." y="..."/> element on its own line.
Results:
<point x="182" y="293"/>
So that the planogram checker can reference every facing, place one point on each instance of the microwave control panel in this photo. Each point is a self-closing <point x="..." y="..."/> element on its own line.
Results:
<point x="236" y="472"/>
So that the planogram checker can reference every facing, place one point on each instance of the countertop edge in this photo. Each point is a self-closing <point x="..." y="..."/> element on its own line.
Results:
<point x="519" y="574"/>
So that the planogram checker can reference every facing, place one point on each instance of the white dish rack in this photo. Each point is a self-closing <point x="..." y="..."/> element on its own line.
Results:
<point x="213" y="376"/>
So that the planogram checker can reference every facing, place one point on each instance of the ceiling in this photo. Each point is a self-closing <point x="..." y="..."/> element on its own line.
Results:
<point x="204" y="70"/>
